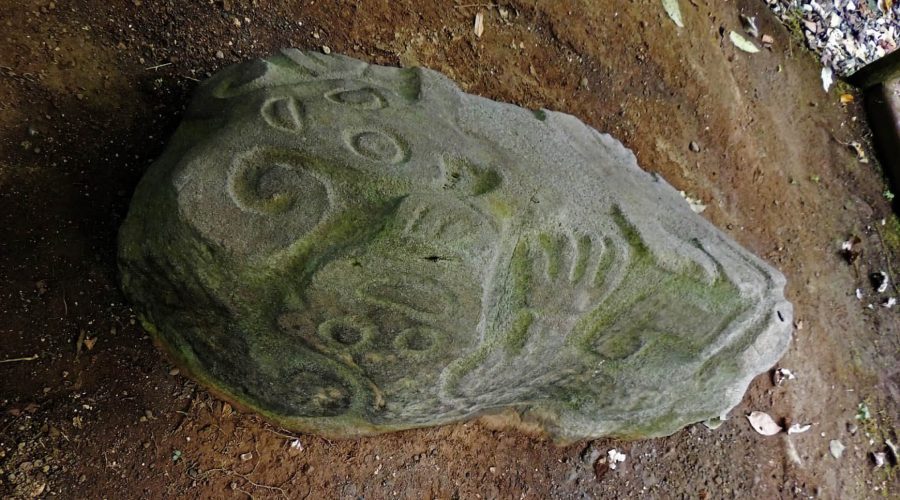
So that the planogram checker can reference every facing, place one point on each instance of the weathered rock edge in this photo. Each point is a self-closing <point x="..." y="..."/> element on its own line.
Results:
<point x="350" y="249"/>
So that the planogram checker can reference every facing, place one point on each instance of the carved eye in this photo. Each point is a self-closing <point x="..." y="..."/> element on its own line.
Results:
<point x="364" y="98"/>
<point x="377" y="146"/>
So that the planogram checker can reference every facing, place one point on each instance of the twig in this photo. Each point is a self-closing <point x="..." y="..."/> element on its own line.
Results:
<point x="273" y="431"/>
<point x="163" y="65"/>
<point x="486" y="5"/>
<point x="79" y="343"/>
<point x="229" y="472"/>
<point x="13" y="360"/>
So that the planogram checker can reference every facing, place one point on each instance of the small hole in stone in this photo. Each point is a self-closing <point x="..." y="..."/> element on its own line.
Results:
<point x="418" y="341"/>
<point x="346" y="335"/>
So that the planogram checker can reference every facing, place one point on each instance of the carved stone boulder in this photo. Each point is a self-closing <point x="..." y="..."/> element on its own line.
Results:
<point x="351" y="249"/>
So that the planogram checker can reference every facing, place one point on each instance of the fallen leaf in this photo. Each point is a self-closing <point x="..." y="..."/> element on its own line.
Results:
<point x="763" y="423"/>
<point x="782" y="374"/>
<point x="89" y="343"/>
<point x="615" y="456"/>
<point x="860" y="152"/>
<point x="836" y="448"/>
<point x="879" y="281"/>
<point x="851" y="249"/>
<point x="479" y="24"/>
<point x="696" y="204"/>
<point x="827" y="78"/>
<point x="749" y="25"/>
<point x="846" y="98"/>
<point x="797" y="428"/>
<point x="742" y="43"/>
<point x="674" y="12"/>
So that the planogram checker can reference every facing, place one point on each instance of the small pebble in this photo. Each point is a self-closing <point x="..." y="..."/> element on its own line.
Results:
<point x="326" y="49"/>
<point x="694" y="146"/>
<point x="220" y="54"/>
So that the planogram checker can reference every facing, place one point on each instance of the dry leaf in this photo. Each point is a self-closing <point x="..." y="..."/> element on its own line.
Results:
<point x="860" y="152"/>
<point x="852" y="249"/>
<point x="846" y="98"/>
<point x="479" y="24"/>
<point x="89" y="343"/>
<point x="797" y="428"/>
<point x="763" y="423"/>
<point x="827" y="78"/>
<point x="742" y="43"/>
<point x="674" y="12"/>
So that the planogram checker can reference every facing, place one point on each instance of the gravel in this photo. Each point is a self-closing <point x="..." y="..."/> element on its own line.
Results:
<point x="847" y="34"/>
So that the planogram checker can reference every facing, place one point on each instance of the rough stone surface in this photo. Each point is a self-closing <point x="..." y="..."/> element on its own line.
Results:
<point x="352" y="249"/>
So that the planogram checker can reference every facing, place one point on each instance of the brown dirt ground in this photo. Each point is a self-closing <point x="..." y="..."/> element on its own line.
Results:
<point x="83" y="112"/>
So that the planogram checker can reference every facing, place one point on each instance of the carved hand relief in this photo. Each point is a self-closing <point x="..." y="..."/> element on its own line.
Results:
<point x="352" y="249"/>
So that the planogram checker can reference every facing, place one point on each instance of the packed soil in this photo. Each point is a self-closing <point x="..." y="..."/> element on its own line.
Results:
<point x="90" y="90"/>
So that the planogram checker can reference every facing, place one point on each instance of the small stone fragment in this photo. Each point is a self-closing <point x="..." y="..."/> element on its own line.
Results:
<point x="693" y="146"/>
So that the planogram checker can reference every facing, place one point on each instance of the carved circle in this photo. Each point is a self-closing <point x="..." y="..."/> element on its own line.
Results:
<point x="415" y="339"/>
<point x="264" y="184"/>
<point x="346" y="332"/>
<point x="378" y="146"/>
<point x="619" y="346"/>
<point x="364" y="98"/>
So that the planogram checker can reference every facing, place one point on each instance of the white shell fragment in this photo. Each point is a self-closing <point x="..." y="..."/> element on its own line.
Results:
<point x="763" y="423"/>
